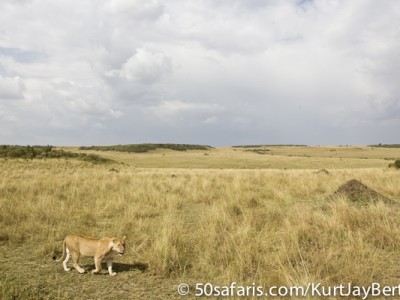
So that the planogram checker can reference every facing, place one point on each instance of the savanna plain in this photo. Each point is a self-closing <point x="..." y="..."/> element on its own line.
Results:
<point x="251" y="215"/>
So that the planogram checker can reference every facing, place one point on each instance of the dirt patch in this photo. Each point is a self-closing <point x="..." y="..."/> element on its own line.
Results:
<point x="358" y="192"/>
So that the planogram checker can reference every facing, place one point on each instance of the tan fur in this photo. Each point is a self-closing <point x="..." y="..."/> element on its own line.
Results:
<point x="101" y="249"/>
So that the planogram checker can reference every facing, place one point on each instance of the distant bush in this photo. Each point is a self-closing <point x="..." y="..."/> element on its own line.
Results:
<point x="141" y="148"/>
<point x="27" y="152"/>
<point x="259" y="151"/>
<point x="93" y="158"/>
<point x="248" y="146"/>
<point x="40" y="152"/>
<point x="396" y="164"/>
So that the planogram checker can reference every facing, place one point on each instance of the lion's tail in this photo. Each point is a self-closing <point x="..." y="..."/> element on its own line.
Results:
<point x="63" y="255"/>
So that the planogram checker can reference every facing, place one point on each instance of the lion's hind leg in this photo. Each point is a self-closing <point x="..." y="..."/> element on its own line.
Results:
<point x="68" y="256"/>
<point x="75" y="260"/>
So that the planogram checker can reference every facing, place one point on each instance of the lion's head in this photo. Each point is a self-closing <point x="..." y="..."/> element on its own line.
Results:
<point x="119" y="244"/>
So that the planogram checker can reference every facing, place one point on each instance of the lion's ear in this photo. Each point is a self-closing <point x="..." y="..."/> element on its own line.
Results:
<point x="114" y="240"/>
<point x="124" y="238"/>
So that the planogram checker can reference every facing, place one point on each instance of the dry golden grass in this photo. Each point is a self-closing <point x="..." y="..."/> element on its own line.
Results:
<point x="270" y="227"/>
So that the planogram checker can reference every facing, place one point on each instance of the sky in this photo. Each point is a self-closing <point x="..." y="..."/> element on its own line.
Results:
<point x="215" y="72"/>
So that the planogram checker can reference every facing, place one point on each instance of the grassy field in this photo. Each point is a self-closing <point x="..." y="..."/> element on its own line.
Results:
<point x="217" y="216"/>
<point x="276" y="157"/>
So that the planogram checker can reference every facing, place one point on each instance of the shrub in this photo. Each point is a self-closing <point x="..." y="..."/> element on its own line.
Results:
<point x="397" y="164"/>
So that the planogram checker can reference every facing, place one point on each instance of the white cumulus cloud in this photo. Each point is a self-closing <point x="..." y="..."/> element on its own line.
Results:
<point x="146" y="67"/>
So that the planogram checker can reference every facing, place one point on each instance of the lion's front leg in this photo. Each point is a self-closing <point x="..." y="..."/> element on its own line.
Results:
<point x="109" y="266"/>
<point x="97" y="264"/>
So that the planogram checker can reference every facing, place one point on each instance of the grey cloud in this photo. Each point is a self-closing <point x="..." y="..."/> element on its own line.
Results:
<point x="171" y="110"/>
<point x="134" y="9"/>
<point x="11" y="88"/>
<point x="214" y="72"/>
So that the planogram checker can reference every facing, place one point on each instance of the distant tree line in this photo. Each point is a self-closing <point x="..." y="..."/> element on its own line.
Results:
<point x="40" y="152"/>
<point x="385" y="145"/>
<point x="140" y="148"/>
<point x="266" y="145"/>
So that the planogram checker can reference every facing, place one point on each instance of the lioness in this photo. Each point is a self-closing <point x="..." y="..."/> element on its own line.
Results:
<point x="101" y="249"/>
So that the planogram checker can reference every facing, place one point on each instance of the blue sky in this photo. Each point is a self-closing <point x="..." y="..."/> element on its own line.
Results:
<point x="319" y="72"/>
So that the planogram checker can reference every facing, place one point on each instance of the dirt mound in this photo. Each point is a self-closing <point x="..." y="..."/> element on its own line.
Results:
<point x="357" y="192"/>
<point x="323" y="171"/>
